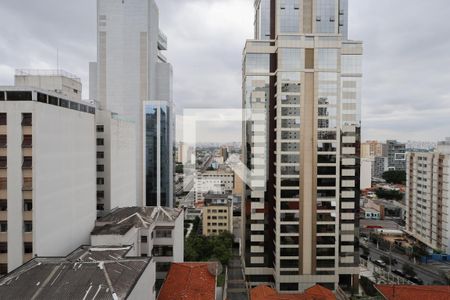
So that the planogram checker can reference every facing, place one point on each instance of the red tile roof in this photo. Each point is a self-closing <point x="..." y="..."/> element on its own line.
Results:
<point x="410" y="292"/>
<point x="188" y="281"/>
<point x="317" y="292"/>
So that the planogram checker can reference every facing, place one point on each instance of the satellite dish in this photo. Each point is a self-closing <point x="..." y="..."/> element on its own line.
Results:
<point x="215" y="267"/>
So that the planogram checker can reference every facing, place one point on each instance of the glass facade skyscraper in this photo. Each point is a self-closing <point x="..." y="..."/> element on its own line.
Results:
<point x="301" y="137"/>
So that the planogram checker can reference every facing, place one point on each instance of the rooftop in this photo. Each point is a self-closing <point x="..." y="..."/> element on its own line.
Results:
<point x="316" y="292"/>
<point x="408" y="292"/>
<point x="189" y="281"/>
<point x="121" y="220"/>
<point x="87" y="273"/>
<point x="56" y="72"/>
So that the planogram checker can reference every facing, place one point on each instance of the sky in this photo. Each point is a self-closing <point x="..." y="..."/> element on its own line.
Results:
<point x="406" y="89"/>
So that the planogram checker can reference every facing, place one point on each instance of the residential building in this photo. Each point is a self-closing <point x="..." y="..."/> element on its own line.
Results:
<point x="301" y="142"/>
<point x="428" y="197"/>
<point x="366" y="173"/>
<point x="152" y="231"/>
<point x="86" y="273"/>
<point x="47" y="171"/>
<point x="396" y="154"/>
<point x="224" y="153"/>
<point x="132" y="74"/>
<point x="370" y="213"/>
<point x="190" y="281"/>
<point x="217" y="182"/>
<point x="371" y="149"/>
<point x="217" y="214"/>
<point x="116" y="161"/>
<point x="380" y="164"/>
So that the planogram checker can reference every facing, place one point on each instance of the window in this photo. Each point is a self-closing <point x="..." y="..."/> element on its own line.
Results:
<point x="2" y="96"/>
<point x="27" y="141"/>
<point x="100" y="168"/>
<point x="28" y="226"/>
<point x="100" y="154"/>
<point x="19" y="96"/>
<point x="100" y="206"/>
<point x="63" y="103"/>
<point x="3" y="226"/>
<point x="100" y="194"/>
<point x="52" y="100"/>
<point x="3" y="205"/>
<point x="83" y="108"/>
<point x="27" y="162"/>
<point x="100" y="142"/>
<point x="27" y="205"/>
<point x="163" y="233"/>
<point x="100" y="128"/>
<point x="3" y="247"/>
<point x="26" y="119"/>
<point x="74" y="105"/>
<point x="41" y="97"/>
<point x="100" y="181"/>
<point x="3" y="183"/>
<point x="3" y="119"/>
<point x="3" y="141"/>
<point x="143" y="239"/>
<point x="3" y="269"/>
<point x="27" y="184"/>
<point x="28" y="248"/>
<point x="3" y="162"/>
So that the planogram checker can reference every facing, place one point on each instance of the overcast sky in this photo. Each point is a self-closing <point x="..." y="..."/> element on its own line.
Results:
<point x="406" y="92"/>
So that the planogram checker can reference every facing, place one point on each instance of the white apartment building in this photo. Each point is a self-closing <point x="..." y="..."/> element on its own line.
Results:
<point x="216" y="182"/>
<point x="302" y="81"/>
<point x="152" y="231"/>
<point x="116" y="161"/>
<point x="47" y="174"/>
<point x="428" y="197"/>
<point x="132" y="72"/>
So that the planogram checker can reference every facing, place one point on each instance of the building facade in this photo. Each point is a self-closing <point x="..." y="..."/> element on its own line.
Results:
<point x="396" y="154"/>
<point x="380" y="164"/>
<point x="130" y="71"/>
<point x="47" y="180"/>
<point x="216" y="182"/>
<point x="428" y="197"/>
<point x="301" y="141"/>
<point x="371" y="149"/>
<point x="217" y="214"/>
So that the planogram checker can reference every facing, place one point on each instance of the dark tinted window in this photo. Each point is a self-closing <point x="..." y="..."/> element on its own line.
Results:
<point x="42" y="97"/>
<point x="52" y="100"/>
<point x="63" y="103"/>
<point x="2" y="96"/>
<point x="74" y="105"/>
<point x="19" y="96"/>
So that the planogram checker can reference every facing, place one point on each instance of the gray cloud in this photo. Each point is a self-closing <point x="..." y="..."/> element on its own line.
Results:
<point x="407" y="59"/>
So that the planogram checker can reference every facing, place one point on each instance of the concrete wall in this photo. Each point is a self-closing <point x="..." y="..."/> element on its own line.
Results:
<point x="178" y="239"/>
<point x="144" y="288"/>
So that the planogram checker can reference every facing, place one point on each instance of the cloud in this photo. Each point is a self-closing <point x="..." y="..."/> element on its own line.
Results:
<point x="406" y="92"/>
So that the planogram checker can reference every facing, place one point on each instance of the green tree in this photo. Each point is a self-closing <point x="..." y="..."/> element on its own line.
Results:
<point x="179" y="169"/>
<point x="395" y="177"/>
<point x="389" y="194"/>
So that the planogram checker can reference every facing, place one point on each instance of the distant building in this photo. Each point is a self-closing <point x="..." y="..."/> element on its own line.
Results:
<point x="153" y="231"/>
<point x="224" y="153"/>
<point x="116" y="161"/>
<point x="86" y="273"/>
<point x="190" y="281"/>
<point x="47" y="169"/>
<point x="371" y="149"/>
<point x="217" y="214"/>
<point x="428" y="196"/>
<point x="370" y="213"/>
<point x="216" y="182"/>
<point x="396" y="154"/>
<point x="380" y="164"/>
<point x="366" y="173"/>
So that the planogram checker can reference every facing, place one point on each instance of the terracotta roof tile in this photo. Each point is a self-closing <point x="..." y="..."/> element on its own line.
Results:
<point x="409" y="292"/>
<point x="316" y="292"/>
<point x="188" y="281"/>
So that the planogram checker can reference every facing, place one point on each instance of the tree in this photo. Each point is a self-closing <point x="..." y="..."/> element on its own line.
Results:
<point x="389" y="194"/>
<point x="179" y="169"/>
<point x="395" y="177"/>
<point x="409" y="270"/>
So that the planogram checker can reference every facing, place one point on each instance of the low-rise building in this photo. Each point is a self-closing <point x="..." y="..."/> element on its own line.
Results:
<point x="87" y="273"/>
<point x="152" y="231"/>
<point x="217" y="214"/>
<point x="370" y="213"/>
<point x="428" y="197"/>
<point x="217" y="182"/>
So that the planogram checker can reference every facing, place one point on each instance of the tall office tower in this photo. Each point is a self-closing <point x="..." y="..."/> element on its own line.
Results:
<point x="428" y="196"/>
<point x="132" y="77"/>
<point x="47" y="168"/>
<point x="301" y="95"/>
<point x="396" y="154"/>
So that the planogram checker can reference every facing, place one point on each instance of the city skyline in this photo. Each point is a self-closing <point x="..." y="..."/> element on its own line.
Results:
<point x="398" y="101"/>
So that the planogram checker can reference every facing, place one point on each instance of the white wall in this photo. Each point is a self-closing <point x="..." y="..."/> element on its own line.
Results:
<point x="64" y="190"/>
<point x="144" y="287"/>
<point x="178" y="239"/>
<point x="366" y="173"/>
<point x="131" y="238"/>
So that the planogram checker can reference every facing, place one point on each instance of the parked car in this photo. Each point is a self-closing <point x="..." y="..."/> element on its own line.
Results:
<point x="399" y="272"/>
<point x="380" y="263"/>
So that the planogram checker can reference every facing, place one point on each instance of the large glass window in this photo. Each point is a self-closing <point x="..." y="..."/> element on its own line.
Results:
<point x="327" y="59"/>
<point x="264" y="20"/>
<point x="290" y="59"/>
<point x="351" y="64"/>
<point x="326" y="16"/>
<point x="257" y="63"/>
<point x="289" y="16"/>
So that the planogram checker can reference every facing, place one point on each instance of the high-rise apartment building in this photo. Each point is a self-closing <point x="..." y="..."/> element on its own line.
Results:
<point x="132" y="74"/>
<point x="301" y="140"/>
<point x="47" y="168"/>
<point x="428" y="196"/>
<point x="396" y="154"/>
<point x="371" y="149"/>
